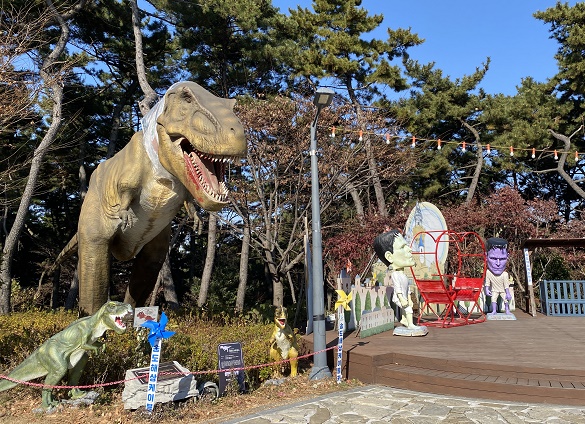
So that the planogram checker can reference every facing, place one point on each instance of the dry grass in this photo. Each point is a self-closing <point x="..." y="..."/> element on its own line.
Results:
<point x="16" y="405"/>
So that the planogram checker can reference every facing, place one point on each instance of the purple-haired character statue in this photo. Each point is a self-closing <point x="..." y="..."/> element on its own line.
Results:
<point x="497" y="280"/>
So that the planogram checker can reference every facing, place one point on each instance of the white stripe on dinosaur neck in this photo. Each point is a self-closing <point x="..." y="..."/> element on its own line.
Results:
<point x="150" y="139"/>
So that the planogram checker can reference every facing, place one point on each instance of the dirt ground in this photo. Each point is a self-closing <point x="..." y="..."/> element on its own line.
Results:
<point x="17" y="405"/>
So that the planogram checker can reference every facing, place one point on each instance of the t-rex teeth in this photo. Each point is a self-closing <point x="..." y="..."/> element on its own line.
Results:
<point x="221" y="194"/>
<point x="216" y="158"/>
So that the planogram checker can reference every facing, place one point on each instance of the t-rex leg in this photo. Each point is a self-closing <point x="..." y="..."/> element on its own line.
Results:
<point x="56" y="365"/>
<point x="94" y="274"/>
<point x="292" y="355"/>
<point x="146" y="268"/>
<point x="75" y="375"/>
<point x="275" y="356"/>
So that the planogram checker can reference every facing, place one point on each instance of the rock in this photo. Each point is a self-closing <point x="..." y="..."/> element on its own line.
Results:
<point x="87" y="399"/>
<point x="170" y="387"/>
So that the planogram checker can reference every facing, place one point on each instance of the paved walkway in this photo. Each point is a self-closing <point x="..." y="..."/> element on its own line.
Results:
<point x="381" y="404"/>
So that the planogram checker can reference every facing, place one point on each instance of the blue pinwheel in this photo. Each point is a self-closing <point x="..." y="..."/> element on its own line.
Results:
<point x="157" y="329"/>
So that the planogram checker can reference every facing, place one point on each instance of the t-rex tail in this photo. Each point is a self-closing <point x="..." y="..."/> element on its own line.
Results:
<point x="69" y="249"/>
<point x="25" y="371"/>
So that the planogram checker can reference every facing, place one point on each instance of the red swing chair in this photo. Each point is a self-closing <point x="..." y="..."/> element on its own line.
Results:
<point x="459" y="287"/>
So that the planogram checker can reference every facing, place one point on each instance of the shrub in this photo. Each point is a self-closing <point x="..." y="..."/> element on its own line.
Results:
<point x="194" y="345"/>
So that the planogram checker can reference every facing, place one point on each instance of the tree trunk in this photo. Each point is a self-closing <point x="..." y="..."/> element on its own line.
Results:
<point x="150" y="95"/>
<point x="563" y="159"/>
<point x="372" y="166"/>
<point x="359" y="206"/>
<point x="73" y="291"/>
<point x="113" y="139"/>
<point x="165" y="279"/>
<point x="292" y="288"/>
<point x="209" y="259"/>
<point x="55" y="85"/>
<point x="478" y="164"/>
<point x="272" y="272"/>
<point x="375" y="178"/>
<point x="169" y="291"/>
<point x="277" y="291"/>
<point x="244" y="259"/>
<point x="350" y="187"/>
<point x="5" y="214"/>
<point x="54" y="303"/>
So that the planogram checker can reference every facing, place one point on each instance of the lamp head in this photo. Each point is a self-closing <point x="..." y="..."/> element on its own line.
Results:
<point x="323" y="97"/>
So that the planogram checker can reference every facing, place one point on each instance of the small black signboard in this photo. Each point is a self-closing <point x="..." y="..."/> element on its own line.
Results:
<point x="166" y="371"/>
<point x="230" y="356"/>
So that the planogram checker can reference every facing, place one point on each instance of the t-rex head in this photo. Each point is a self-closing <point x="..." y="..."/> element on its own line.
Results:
<point x="280" y="317"/>
<point x="112" y="316"/>
<point x="198" y="135"/>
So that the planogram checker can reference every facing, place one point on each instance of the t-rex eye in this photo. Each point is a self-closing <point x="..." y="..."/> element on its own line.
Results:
<point x="202" y="123"/>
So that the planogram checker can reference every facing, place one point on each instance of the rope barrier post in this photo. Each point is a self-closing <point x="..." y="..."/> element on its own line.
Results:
<point x="155" y="338"/>
<point x="341" y="305"/>
<point x="153" y="374"/>
<point x="341" y="330"/>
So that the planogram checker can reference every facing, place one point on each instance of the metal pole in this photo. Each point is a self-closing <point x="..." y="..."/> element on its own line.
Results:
<point x="320" y="369"/>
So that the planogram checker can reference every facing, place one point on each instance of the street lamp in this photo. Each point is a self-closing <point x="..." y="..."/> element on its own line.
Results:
<point x="323" y="98"/>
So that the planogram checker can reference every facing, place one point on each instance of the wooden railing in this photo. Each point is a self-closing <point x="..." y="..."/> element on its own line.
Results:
<point x="563" y="297"/>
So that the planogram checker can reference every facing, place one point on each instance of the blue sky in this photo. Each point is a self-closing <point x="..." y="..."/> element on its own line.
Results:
<point x="460" y="34"/>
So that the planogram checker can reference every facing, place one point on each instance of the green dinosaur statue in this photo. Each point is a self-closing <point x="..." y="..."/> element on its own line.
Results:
<point x="68" y="351"/>
<point x="188" y="138"/>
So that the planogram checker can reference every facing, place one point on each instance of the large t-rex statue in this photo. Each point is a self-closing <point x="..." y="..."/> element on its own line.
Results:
<point x="66" y="351"/>
<point x="187" y="140"/>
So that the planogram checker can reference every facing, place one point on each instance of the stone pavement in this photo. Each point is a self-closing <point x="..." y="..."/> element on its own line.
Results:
<point x="381" y="404"/>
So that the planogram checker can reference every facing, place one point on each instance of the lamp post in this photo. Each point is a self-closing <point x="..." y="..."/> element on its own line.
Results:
<point x="323" y="98"/>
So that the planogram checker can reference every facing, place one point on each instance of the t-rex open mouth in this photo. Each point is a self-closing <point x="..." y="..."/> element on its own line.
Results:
<point x="119" y="322"/>
<point x="206" y="170"/>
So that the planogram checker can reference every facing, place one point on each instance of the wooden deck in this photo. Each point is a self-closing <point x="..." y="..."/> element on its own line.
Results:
<point x="533" y="359"/>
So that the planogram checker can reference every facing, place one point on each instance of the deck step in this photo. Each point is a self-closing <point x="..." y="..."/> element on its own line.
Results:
<point x="489" y="368"/>
<point x="546" y="388"/>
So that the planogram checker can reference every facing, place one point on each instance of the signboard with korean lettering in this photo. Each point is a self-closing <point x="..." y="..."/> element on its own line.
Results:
<point x="231" y="360"/>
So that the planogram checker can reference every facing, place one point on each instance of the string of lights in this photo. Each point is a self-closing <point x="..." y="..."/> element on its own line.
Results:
<point x="440" y="143"/>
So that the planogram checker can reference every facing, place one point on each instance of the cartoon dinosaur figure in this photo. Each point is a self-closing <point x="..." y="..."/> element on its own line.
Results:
<point x="187" y="140"/>
<point x="68" y="351"/>
<point x="145" y="317"/>
<point x="283" y="343"/>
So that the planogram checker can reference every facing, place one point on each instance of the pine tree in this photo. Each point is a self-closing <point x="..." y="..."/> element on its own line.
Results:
<point x="331" y="44"/>
<point x="440" y="108"/>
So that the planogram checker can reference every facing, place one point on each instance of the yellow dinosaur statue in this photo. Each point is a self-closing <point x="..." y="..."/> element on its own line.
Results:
<point x="283" y="343"/>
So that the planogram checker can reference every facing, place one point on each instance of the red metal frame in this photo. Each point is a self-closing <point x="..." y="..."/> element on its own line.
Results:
<point x="466" y="254"/>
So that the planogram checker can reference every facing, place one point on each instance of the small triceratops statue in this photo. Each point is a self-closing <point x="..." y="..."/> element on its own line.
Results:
<point x="283" y="343"/>
<point x="67" y="351"/>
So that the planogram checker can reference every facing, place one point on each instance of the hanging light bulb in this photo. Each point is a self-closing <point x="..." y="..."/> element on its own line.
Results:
<point x="463" y="147"/>
<point x="533" y="153"/>
<point x="489" y="151"/>
<point x="511" y="151"/>
<point x="333" y="132"/>
<point x="439" y="144"/>
<point x="361" y="137"/>
<point x="413" y="145"/>
<point x="387" y="138"/>
<point x="576" y="156"/>
<point x="556" y="155"/>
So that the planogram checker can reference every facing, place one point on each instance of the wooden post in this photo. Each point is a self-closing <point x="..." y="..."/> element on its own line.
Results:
<point x="532" y="305"/>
